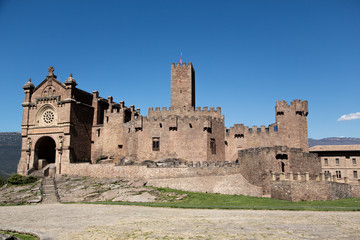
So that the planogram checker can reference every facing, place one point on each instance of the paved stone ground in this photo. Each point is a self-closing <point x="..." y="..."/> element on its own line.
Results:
<point x="83" y="221"/>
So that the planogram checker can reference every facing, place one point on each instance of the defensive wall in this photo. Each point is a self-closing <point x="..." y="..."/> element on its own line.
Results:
<point x="178" y="170"/>
<point x="257" y="164"/>
<point x="298" y="187"/>
<point x="210" y="177"/>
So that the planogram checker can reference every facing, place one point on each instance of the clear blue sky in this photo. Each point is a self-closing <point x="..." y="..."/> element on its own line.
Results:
<point x="246" y="54"/>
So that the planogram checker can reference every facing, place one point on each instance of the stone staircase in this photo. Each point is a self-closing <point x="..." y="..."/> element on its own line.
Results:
<point x="49" y="191"/>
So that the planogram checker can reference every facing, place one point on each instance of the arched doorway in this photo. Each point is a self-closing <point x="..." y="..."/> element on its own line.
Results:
<point x="45" y="149"/>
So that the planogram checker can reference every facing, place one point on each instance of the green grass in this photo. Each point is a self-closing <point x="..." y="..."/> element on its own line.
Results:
<point x="20" y="235"/>
<point x="219" y="201"/>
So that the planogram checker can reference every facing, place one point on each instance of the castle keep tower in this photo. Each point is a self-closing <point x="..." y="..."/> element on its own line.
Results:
<point x="182" y="86"/>
<point x="292" y="123"/>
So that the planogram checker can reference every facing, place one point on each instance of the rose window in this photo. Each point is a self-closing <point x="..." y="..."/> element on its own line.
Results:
<point x="48" y="116"/>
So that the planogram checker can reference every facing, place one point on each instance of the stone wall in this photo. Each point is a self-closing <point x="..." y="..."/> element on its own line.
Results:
<point x="310" y="190"/>
<point x="257" y="164"/>
<point x="234" y="184"/>
<point x="144" y="172"/>
<point x="355" y="191"/>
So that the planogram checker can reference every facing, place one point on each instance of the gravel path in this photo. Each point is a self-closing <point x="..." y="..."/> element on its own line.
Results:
<point x="82" y="221"/>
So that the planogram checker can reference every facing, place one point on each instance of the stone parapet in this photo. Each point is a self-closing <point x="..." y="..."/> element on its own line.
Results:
<point x="144" y="172"/>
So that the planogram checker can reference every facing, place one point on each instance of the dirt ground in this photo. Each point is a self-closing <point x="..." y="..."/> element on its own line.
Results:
<point x="87" y="221"/>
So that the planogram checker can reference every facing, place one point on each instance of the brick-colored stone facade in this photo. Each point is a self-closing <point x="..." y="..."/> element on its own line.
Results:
<point x="63" y="125"/>
<point x="257" y="164"/>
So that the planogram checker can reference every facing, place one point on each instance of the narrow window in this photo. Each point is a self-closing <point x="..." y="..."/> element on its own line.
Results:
<point x="337" y="161"/>
<point x="281" y="156"/>
<point x="354" y="161"/>
<point x="213" y="145"/>
<point x="275" y="128"/>
<point x="355" y="174"/>
<point x="190" y="125"/>
<point x="156" y="144"/>
<point x="107" y="119"/>
<point x="160" y="124"/>
<point x="338" y="174"/>
<point x="282" y="167"/>
<point x="326" y="162"/>
<point x="98" y="132"/>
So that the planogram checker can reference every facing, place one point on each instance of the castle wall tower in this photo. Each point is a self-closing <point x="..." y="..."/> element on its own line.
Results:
<point x="292" y="123"/>
<point x="182" y="86"/>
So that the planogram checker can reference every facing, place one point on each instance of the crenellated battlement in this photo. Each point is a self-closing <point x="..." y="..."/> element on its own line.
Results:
<point x="297" y="105"/>
<point x="178" y="119"/>
<point x="240" y="130"/>
<point x="164" y="112"/>
<point x="182" y="66"/>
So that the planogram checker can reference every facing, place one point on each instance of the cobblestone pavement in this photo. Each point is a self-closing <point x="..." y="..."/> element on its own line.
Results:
<point x="85" y="221"/>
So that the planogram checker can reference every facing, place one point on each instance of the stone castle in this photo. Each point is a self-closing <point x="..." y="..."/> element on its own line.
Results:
<point x="63" y="124"/>
<point x="66" y="130"/>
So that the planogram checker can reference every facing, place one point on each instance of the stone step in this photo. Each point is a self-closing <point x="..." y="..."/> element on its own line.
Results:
<point x="49" y="191"/>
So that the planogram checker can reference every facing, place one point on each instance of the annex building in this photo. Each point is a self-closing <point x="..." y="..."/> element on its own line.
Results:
<point x="342" y="161"/>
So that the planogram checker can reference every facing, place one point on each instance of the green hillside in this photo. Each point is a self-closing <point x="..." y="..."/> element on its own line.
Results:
<point x="10" y="149"/>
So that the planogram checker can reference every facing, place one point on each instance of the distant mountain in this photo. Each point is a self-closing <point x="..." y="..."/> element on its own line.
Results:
<point x="10" y="149"/>
<point x="334" y="141"/>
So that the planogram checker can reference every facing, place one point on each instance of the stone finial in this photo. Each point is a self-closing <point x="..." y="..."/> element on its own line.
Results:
<point x="273" y="176"/>
<point x="291" y="176"/>
<point x="306" y="176"/>
<point x="29" y="84"/>
<point x="70" y="80"/>
<point x="334" y="178"/>
<point x="51" y="71"/>
<point x="322" y="177"/>
<point x="282" y="176"/>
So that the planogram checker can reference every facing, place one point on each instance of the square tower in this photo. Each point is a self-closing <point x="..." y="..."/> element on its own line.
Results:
<point x="182" y="86"/>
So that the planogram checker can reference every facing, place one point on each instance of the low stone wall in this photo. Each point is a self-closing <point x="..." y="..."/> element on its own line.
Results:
<point x="144" y="172"/>
<point x="310" y="190"/>
<point x="234" y="184"/>
<point x="355" y="191"/>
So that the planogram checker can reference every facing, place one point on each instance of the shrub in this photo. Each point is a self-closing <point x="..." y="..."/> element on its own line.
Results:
<point x="17" y="179"/>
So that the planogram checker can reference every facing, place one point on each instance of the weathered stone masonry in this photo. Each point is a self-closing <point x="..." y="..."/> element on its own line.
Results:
<point x="64" y="126"/>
